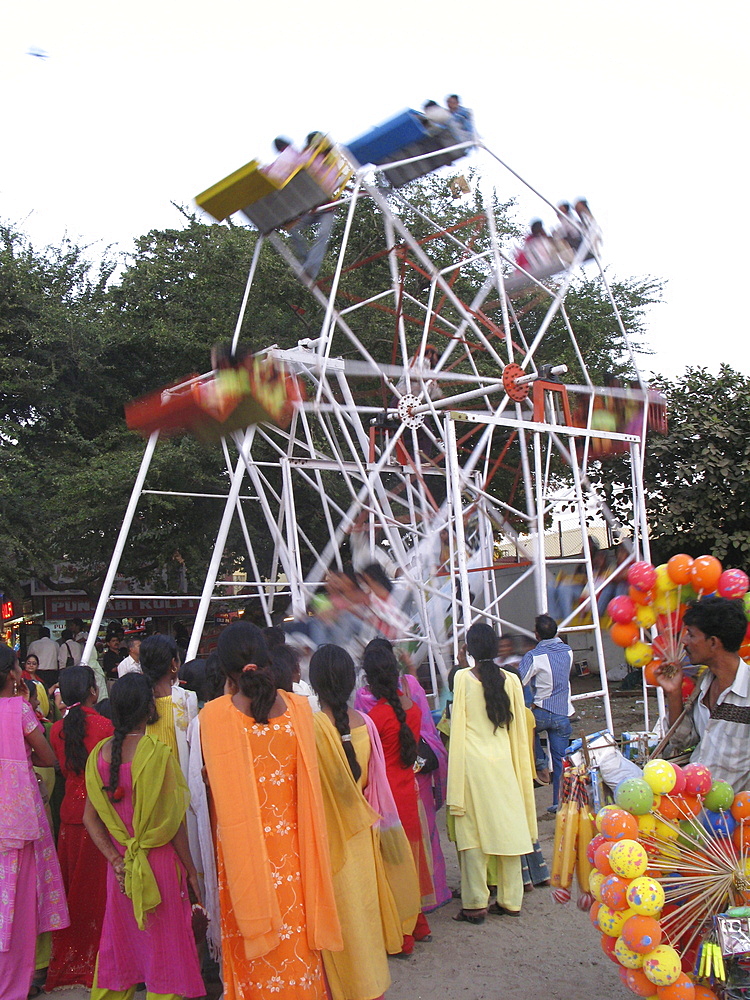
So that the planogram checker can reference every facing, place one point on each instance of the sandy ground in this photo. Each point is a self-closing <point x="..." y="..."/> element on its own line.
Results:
<point x="550" y="952"/>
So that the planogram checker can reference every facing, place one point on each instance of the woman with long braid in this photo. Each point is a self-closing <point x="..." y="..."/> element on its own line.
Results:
<point x="376" y="893"/>
<point x="397" y="719"/>
<point x="84" y="869"/>
<point x="490" y="780"/>
<point x="135" y="814"/>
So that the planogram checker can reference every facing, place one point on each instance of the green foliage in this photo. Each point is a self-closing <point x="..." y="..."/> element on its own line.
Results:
<point x="697" y="478"/>
<point x="81" y="339"/>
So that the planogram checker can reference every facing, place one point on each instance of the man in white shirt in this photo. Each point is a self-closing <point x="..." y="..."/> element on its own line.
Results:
<point x="719" y="721"/>
<point x="46" y="651"/>
<point x="132" y="662"/>
<point x="69" y="649"/>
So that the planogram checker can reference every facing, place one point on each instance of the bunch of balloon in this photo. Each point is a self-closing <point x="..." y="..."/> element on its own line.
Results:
<point x="670" y="855"/>
<point x="656" y="601"/>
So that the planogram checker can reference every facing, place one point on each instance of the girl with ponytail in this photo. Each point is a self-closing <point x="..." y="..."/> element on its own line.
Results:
<point x="490" y="781"/>
<point x="352" y="775"/>
<point x="274" y="871"/>
<point x="84" y="869"/>
<point x="135" y="812"/>
<point x="398" y="720"/>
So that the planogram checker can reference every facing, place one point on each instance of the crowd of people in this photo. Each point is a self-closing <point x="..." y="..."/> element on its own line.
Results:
<point x="225" y="825"/>
<point x="224" y="820"/>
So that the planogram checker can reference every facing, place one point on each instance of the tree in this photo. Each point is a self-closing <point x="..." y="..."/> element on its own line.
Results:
<point x="697" y="477"/>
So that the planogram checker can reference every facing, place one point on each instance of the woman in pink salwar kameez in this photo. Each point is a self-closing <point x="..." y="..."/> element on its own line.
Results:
<point x="32" y="898"/>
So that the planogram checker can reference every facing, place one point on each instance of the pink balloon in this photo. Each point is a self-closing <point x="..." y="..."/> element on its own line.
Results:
<point x="621" y="609"/>
<point x="733" y="583"/>
<point x="680" y="780"/>
<point x="642" y="576"/>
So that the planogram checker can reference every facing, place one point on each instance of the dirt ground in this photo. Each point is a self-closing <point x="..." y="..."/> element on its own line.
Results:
<point x="550" y="952"/>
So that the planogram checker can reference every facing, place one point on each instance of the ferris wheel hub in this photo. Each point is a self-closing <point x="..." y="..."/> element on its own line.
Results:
<point x="406" y="412"/>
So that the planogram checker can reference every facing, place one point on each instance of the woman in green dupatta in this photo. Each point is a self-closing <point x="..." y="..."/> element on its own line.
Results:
<point x="135" y="814"/>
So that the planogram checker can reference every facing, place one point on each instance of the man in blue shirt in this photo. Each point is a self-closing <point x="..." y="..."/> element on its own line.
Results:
<point x="462" y="120"/>
<point x="545" y="670"/>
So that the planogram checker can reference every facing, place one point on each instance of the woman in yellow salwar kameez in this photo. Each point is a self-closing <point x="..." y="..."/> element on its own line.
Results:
<point x="374" y="877"/>
<point x="275" y="890"/>
<point x="490" y="781"/>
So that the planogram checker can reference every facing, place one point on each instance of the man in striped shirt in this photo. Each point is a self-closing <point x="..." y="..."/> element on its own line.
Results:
<point x="546" y="670"/>
<point x="719" y="721"/>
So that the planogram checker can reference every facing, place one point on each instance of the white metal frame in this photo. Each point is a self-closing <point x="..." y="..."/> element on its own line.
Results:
<point x="395" y="497"/>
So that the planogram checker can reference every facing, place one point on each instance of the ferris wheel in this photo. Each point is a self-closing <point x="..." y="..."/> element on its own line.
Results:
<point x="446" y="440"/>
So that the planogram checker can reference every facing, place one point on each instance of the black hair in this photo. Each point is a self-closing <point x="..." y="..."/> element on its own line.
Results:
<point x="157" y="653"/>
<point x="274" y="636"/>
<point x="721" y="617"/>
<point x="376" y="572"/>
<point x="132" y="702"/>
<point x="75" y="685"/>
<point x="545" y="626"/>
<point x="7" y="660"/>
<point x="481" y="643"/>
<point x="242" y="644"/>
<point x="381" y="669"/>
<point x="104" y="709"/>
<point x="44" y="632"/>
<point x="351" y="574"/>
<point x="454" y="96"/>
<point x="192" y="676"/>
<point x="283" y="665"/>
<point x="30" y="687"/>
<point x="333" y="676"/>
<point x="214" y="677"/>
<point x="29" y="655"/>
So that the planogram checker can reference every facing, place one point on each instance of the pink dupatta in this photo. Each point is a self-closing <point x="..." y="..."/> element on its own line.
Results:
<point x="23" y="821"/>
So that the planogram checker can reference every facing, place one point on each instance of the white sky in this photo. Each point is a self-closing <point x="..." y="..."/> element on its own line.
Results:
<point x="640" y="106"/>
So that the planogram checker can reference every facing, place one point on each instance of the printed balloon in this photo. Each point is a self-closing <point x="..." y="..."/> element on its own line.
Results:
<point x="642" y="576"/>
<point x="733" y="583"/>
<point x="679" y="567"/>
<point x="705" y="574"/>
<point x="645" y="896"/>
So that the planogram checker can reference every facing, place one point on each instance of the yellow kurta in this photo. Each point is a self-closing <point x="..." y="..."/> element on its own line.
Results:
<point x="490" y="780"/>
<point x="360" y="971"/>
<point x="163" y="729"/>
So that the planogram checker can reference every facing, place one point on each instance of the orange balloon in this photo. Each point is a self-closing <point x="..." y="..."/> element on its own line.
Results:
<point x="741" y="806"/>
<point x="649" y="672"/>
<point x="624" y="634"/>
<point x="641" y="596"/>
<point x="618" y="825"/>
<point x="635" y="980"/>
<point x="691" y="805"/>
<point x="741" y="836"/>
<point x="679" y="568"/>
<point x="703" y="993"/>
<point x="669" y="808"/>
<point x="680" y="989"/>
<point x="705" y="573"/>
<point x="745" y="651"/>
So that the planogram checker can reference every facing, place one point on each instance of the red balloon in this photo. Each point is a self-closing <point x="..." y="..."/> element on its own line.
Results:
<point x="621" y="609"/>
<point x="698" y="779"/>
<point x="642" y="575"/>
<point x="660" y="646"/>
<point x="688" y="686"/>
<point x="705" y="574"/>
<point x="733" y="583"/>
<point x="608" y="947"/>
<point x="679" y="785"/>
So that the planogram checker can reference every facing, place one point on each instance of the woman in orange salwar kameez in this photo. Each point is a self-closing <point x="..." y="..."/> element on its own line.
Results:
<point x="275" y="889"/>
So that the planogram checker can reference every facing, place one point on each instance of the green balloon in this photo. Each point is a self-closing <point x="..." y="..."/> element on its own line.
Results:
<point x="688" y="594"/>
<point x="721" y="796"/>
<point x="746" y="605"/>
<point x="635" y="795"/>
<point x="692" y="831"/>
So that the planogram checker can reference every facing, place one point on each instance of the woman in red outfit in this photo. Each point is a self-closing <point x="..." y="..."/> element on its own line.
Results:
<point x="398" y="719"/>
<point x="84" y="867"/>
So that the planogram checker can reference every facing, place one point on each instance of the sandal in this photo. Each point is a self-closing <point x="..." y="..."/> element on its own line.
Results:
<point x="463" y="917"/>
<point x="499" y="911"/>
<point x="35" y="991"/>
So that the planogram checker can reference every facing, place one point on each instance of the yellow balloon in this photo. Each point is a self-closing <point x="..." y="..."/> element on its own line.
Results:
<point x="664" y="832"/>
<point x="639" y="654"/>
<point x="595" y="884"/>
<point x="662" y="966"/>
<point x="664" y="582"/>
<point x="625" y="956"/>
<point x="645" y="616"/>
<point x="666" y="604"/>
<point x="647" y="825"/>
